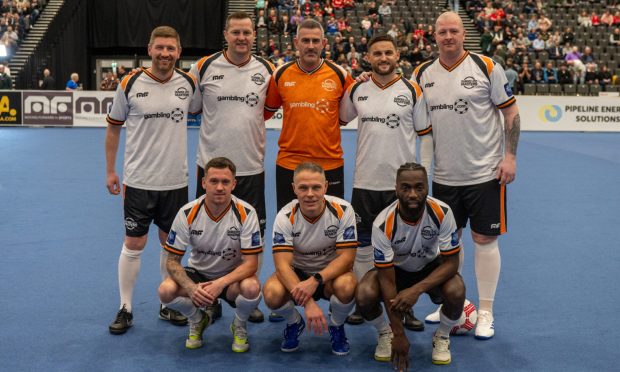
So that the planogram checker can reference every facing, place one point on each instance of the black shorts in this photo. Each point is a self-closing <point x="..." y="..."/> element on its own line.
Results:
<point x="406" y="279"/>
<point x="197" y="277"/>
<point x="141" y="207"/>
<point x="483" y="204"/>
<point x="320" y="290"/>
<point x="250" y="189"/>
<point x="367" y="204"/>
<point x="284" y="184"/>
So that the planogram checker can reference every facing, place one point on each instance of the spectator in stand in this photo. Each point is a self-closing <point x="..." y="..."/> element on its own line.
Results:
<point x="551" y="74"/>
<point x="73" y="84"/>
<point x="614" y="37"/>
<point x="416" y="57"/>
<point x="498" y="55"/>
<point x="328" y="9"/>
<point x="498" y="37"/>
<point x="430" y="34"/>
<point x="538" y="74"/>
<point x="604" y="76"/>
<point x="48" y="82"/>
<point x="529" y="7"/>
<point x="565" y="76"/>
<point x="274" y="25"/>
<point x="373" y="12"/>
<point x="532" y="24"/>
<point x="384" y="10"/>
<point x="544" y="23"/>
<point x="261" y="22"/>
<point x="5" y="80"/>
<point x="428" y="53"/>
<point x="353" y="55"/>
<point x="538" y="45"/>
<point x="349" y="4"/>
<point x="287" y="29"/>
<point x="366" y="26"/>
<point x="525" y="76"/>
<point x="338" y="4"/>
<point x="511" y="74"/>
<point x="296" y="20"/>
<point x="393" y="32"/>
<point x="486" y="42"/>
<point x="317" y="11"/>
<point x="573" y="59"/>
<point x="109" y="82"/>
<point x="362" y="46"/>
<point x="607" y="19"/>
<point x="596" y="21"/>
<point x="331" y="28"/>
<point x="587" y="58"/>
<point x="591" y="76"/>
<point x="584" y="19"/>
<point x="617" y="18"/>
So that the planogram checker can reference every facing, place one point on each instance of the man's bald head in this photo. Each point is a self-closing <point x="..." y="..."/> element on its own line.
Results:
<point x="449" y="17"/>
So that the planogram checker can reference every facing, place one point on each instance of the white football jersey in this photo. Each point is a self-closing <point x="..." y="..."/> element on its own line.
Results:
<point x="463" y="103"/>
<point x="314" y="242"/>
<point x="217" y="242"/>
<point x="233" y="98"/>
<point x="413" y="245"/>
<point x="388" y="119"/>
<point x="155" y="113"/>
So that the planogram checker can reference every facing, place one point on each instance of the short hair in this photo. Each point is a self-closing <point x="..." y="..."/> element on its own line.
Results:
<point x="410" y="167"/>
<point x="382" y="37"/>
<point x="310" y="167"/>
<point x="239" y="16"/>
<point x="165" y="31"/>
<point x="221" y="163"/>
<point x="310" y="24"/>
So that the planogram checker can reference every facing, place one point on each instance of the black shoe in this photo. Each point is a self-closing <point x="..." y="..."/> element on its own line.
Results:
<point x="412" y="323"/>
<point x="173" y="316"/>
<point x="214" y="311"/>
<point x="355" y="318"/>
<point x="124" y="320"/>
<point x="256" y="316"/>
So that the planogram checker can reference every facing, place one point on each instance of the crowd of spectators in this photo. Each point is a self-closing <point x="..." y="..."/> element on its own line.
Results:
<point x="16" y="19"/>
<point x="348" y="26"/>
<point x="551" y="42"/>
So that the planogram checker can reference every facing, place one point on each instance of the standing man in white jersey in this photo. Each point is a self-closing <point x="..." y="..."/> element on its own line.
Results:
<point x="416" y="251"/>
<point x="154" y="104"/>
<point x="234" y="85"/>
<point x="314" y="241"/>
<point x="391" y="112"/>
<point x="475" y="155"/>
<point x="225" y="241"/>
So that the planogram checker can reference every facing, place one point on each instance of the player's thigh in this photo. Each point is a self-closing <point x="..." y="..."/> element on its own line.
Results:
<point x="284" y="186"/>
<point x="452" y="195"/>
<point x="343" y="287"/>
<point x="335" y="181"/>
<point x="139" y="208"/>
<point x="486" y="203"/>
<point x="251" y="189"/>
<point x="168" y="205"/>
<point x="275" y="293"/>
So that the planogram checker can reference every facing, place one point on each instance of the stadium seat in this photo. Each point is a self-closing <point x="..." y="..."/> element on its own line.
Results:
<point x="612" y="88"/>
<point x="555" y="89"/>
<point x="529" y="89"/>
<point x="583" y="89"/>
<point x="542" y="89"/>
<point x="570" y="89"/>
<point x="594" y="89"/>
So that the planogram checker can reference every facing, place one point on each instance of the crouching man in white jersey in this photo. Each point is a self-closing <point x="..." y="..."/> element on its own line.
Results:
<point x="416" y="251"/>
<point x="224" y="235"/>
<point x="314" y="241"/>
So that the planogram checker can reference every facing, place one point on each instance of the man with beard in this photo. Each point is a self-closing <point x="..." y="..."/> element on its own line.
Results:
<point x="416" y="251"/>
<point x="391" y="113"/>
<point x="234" y="85"/>
<point x="309" y="90"/>
<point x="154" y="104"/>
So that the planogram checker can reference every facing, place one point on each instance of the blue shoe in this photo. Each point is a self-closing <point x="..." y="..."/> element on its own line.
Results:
<point x="340" y="345"/>
<point x="290" y="341"/>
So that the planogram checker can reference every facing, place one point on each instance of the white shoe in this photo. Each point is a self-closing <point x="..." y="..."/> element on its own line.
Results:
<point x="240" y="336"/>
<point x="441" y="350"/>
<point x="433" y="318"/>
<point x="485" y="328"/>
<point x="383" y="351"/>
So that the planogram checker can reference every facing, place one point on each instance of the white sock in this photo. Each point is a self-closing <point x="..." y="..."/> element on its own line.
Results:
<point x="185" y="306"/>
<point x="340" y="311"/>
<point x="364" y="261"/>
<point x="380" y="323"/>
<point x="128" y="269"/>
<point x="488" y="264"/>
<point x="288" y="312"/>
<point x="445" y="325"/>
<point x="461" y="256"/>
<point x="245" y="306"/>
<point x="163" y="257"/>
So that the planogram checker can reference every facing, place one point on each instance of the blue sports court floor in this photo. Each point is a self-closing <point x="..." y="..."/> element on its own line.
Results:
<point x="556" y="309"/>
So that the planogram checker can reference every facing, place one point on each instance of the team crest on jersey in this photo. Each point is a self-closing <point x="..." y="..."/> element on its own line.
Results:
<point x="392" y="121"/>
<point x="177" y="115"/>
<point x="328" y="85"/>
<point x="251" y="99"/>
<point x="229" y="254"/>
<point x="349" y="233"/>
<point x="182" y="93"/>
<point x="278" y="238"/>
<point x="233" y="233"/>
<point x="379" y="256"/>
<point x="455" y="239"/>
<point x="331" y="231"/>
<point x="258" y="79"/>
<point x="256" y="238"/>
<point x="428" y="233"/>
<point x="461" y="106"/>
<point x="402" y="101"/>
<point x="172" y="236"/>
<point x="508" y="89"/>
<point x="469" y="82"/>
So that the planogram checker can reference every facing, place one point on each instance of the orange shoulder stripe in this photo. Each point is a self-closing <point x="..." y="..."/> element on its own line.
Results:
<point x="437" y="209"/>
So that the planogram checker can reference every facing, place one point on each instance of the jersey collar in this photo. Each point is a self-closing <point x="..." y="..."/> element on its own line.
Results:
<point x="313" y="220"/>
<point x="313" y="71"/>
<point x="238" y="65"/>
<point x="411" y="223"/>
<point x="219" y="217"/>
<point x="149" y="74"/>
<point x="389" y="84"/>
<point x="456" y="64"/>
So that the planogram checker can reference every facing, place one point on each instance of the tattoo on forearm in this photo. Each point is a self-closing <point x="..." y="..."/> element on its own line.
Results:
<point x="512" y="134"/>
<point x="176" y="270"/>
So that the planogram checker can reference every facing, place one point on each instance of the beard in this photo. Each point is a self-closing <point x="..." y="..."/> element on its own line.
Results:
<point x="389" y="71"/>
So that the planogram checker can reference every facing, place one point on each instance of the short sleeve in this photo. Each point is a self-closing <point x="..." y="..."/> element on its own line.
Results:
<point x="282" y="234"/>
<point x="384" y="254"/>
<point x="120" y="107"/>
<point x="251" y="241"/>
<point x="178" y="237"/>
<point x="347" y="231"/>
